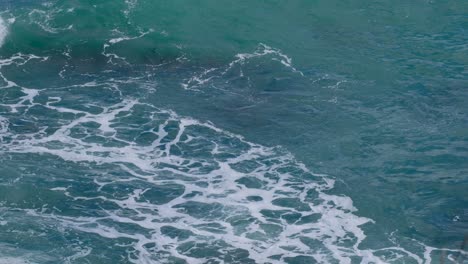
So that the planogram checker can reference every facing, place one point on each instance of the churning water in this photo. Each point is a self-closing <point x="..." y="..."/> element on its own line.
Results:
<point x="146" y="131"/>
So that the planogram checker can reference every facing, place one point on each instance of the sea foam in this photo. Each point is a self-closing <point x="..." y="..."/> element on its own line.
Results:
<point x="3" y="31"/>
<point x="172" y="187"/>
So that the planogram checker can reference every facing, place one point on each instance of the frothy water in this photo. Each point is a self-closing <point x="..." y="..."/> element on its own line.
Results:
<point x="177" y="189"/>
<point x="3" y="31"/>
<point x="184" y="184"/>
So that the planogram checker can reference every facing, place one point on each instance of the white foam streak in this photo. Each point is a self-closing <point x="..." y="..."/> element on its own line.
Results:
<point x="19" y="59"/>
<point x="264" y="50"/>
<point x="208" y="75"/>
<point x="3" y="31"/>
<point x="44" y="19"/>
<point x="113" y="57"/>
<point x="120" y="39"/>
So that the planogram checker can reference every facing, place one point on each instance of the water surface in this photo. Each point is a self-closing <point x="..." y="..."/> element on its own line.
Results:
<point x="145" y="131"/>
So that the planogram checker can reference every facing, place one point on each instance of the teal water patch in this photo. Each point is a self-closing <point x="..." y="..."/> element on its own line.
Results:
<point x="214" y="132"/>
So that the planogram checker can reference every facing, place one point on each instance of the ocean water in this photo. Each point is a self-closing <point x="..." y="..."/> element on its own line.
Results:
<point x="144" y="131"/>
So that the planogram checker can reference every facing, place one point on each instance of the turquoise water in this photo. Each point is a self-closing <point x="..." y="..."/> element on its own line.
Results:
<point x="144" y="131"/>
